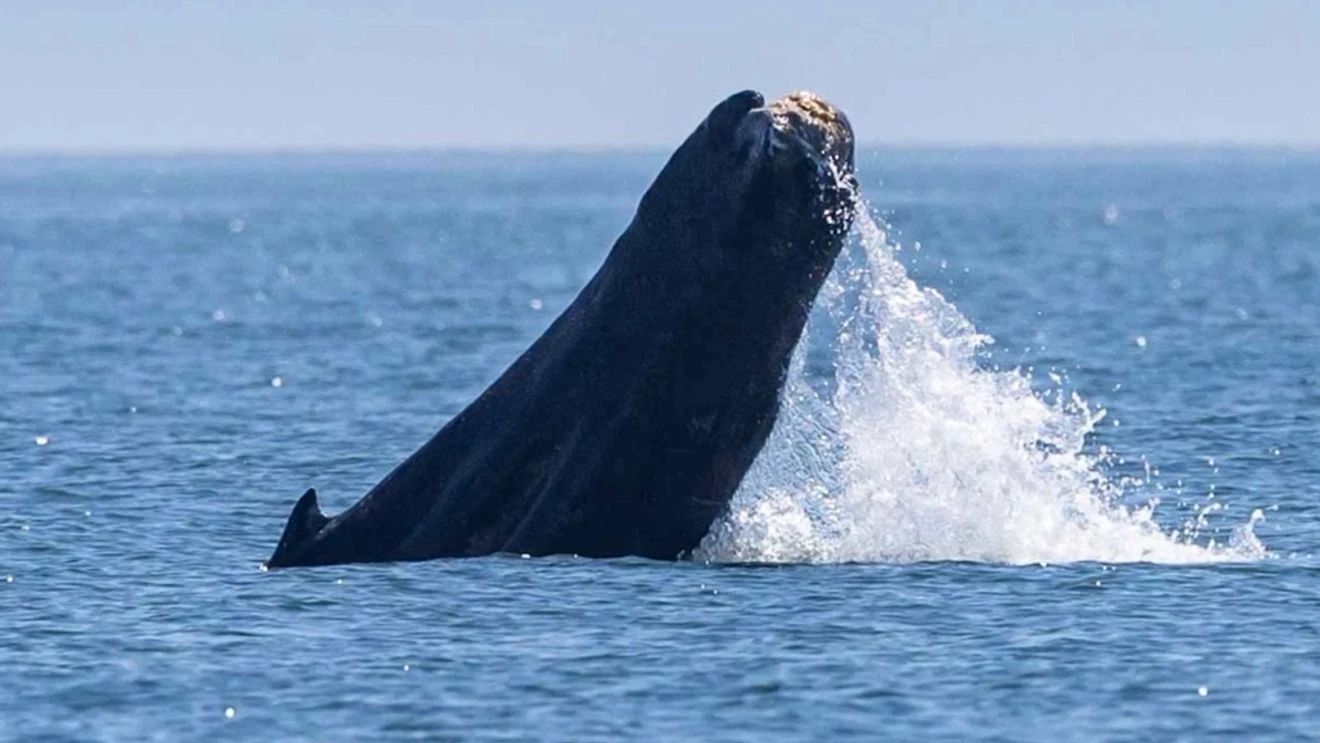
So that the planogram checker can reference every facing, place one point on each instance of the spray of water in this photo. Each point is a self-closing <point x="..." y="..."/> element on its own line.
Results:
<point x="893" y="445"/>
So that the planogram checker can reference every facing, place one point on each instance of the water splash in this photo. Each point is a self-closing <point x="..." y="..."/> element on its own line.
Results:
<point x="893" y="445"/>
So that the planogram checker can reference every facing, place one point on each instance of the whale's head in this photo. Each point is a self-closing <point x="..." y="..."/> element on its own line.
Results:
<point x="772" y="177"/>
<point x="703" y="300"/>
<point x="748" y="216"/>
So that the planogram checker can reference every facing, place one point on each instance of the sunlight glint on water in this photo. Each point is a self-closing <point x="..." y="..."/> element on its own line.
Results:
<point x="913" y="453"/>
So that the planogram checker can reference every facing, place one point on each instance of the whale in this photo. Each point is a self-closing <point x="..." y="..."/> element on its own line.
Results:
<point x="627" y="426"/>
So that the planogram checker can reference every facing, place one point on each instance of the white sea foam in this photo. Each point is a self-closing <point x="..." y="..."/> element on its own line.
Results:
<point x="899" y="447"/>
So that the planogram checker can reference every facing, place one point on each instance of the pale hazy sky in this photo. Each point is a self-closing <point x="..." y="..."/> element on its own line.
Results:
<point x="120" y="75"/>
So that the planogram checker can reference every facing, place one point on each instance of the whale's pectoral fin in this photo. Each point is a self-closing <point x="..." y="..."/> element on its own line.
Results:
<point x="305" y="522"/>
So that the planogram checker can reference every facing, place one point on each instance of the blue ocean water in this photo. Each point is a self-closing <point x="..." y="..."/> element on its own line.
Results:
<point x="968" y="553"/>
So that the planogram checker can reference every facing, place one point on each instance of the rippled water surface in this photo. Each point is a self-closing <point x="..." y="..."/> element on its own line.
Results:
<point x="1101" y="526"/>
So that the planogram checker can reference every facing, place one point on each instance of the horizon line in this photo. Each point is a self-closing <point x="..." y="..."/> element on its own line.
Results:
<point x="635" y="149"/>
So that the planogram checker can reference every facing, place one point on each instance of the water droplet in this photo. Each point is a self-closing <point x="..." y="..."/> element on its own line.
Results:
<point x="339" y="581"/>
<point x="42" y="440"/>
<point x="9" y="579"/>
<point x="230" y="712"/>
<point x="276" y="382"/>
<point x="406" y="667"/>
<point x="1202" y="690"/>
<point x="87" y="513"/>
<point x="1140" y="341"/>
<point x="132" y="408"/>
<point x="535" y="304"/>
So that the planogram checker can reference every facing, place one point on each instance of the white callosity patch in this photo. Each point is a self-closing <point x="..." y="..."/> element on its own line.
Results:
<point x="898" y="447"/>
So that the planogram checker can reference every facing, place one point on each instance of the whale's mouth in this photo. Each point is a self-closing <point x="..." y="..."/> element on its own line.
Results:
<point x="816" y="126"/>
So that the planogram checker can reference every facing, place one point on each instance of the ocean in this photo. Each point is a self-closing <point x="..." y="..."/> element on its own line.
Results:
<point x="1045" y="469"/>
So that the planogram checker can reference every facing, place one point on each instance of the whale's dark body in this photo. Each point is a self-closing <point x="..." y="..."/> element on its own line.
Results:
<point x="627" y="427"/>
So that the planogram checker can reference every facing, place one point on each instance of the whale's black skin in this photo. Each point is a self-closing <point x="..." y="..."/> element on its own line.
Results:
<point x="627" y="427"/>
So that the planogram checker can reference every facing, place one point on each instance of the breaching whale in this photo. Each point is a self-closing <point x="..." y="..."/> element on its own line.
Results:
<point x="627" y="426"/>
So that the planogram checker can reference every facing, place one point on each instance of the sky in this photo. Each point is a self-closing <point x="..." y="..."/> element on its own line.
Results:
<point x="114" y="75"/>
